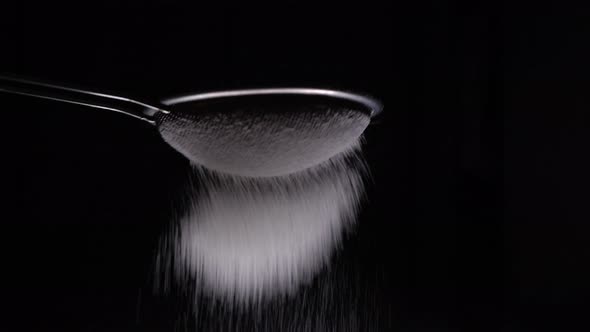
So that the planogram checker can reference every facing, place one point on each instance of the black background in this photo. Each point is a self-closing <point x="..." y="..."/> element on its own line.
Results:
<point x="477" y="216"/>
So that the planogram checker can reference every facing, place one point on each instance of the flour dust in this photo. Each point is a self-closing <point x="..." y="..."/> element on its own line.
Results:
<point x="244" y="240"/>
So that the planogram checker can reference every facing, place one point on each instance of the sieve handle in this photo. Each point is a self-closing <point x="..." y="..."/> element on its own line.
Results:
<point x="64" y="94"/>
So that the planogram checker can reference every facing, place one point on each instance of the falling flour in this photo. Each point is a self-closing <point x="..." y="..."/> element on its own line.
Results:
<point x="247" y="239"/>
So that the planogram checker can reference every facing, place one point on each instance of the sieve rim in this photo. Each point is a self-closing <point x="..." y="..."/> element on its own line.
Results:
<point x="369" y="102"/>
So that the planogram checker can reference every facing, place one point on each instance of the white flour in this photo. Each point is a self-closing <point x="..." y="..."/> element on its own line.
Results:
<point x="246" y="239"/>
<point x="253" y="143"/>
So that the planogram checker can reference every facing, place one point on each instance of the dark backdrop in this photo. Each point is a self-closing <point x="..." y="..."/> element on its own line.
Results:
<point x="477" y="216"/>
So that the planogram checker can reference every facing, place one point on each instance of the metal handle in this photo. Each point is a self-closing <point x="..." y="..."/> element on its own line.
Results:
<point x="118" y="104"/>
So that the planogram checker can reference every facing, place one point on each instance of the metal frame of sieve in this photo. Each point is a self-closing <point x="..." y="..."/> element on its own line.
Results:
<point x="146" y="112"/>
<point x="371" y="103"/>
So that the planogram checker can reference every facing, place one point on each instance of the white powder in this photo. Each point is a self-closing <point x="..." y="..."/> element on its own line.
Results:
<point x="246" y="239"/>
<point x="262" y="143"/>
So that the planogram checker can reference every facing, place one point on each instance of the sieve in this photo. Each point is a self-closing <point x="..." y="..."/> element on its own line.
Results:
<point x="250" y="132"/>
